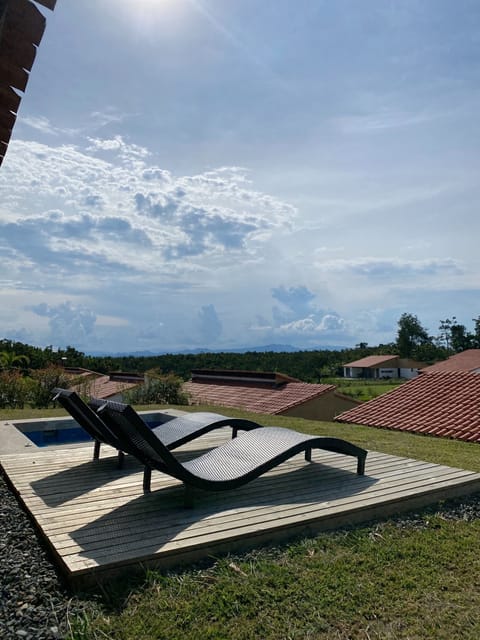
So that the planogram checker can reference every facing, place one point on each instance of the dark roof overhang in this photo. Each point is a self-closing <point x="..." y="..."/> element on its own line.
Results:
<point x="21" y="29"/>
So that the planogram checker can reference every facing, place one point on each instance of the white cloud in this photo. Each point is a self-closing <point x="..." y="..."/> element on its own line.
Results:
<point x="292" y="186"/>
<point x="384" y="120"/>
<point x="393" y="268"/>
<point x="109" y="115"/>
<point x="329" y="326"/>
<point x="303" y="325"/>
<point x="94" y="214"/>
<point x="43" y="125"/>
<point x="69" y="324"/>
<point x="98" y="225"/>
<point x="124" y="149"/>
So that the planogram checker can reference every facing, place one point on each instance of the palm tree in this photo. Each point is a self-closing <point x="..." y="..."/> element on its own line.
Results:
<point x="11" y="360"/>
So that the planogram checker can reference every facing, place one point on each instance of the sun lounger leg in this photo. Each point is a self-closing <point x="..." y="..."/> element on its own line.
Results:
<point x="308" y="454"/>
<point x="121" y="458"/>
<point x="361" y="465"/>
<point x="147" y="477"/>
<point x="234" y="432"/>
<point x="96" y="450"/>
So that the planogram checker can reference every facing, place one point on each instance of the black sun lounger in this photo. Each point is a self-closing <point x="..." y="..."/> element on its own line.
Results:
<point x="228" y="466"/>
<point x="90" y="422"/>
<point x="176" y="431"/>
<point x="173" y="433"/>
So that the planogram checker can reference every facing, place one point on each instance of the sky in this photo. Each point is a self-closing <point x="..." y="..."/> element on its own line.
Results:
<point x="225" y="174"/>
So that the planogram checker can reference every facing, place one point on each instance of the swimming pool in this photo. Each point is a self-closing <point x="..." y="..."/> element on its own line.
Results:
<point x="58" y="431"/>
<point x="47" y="437"/>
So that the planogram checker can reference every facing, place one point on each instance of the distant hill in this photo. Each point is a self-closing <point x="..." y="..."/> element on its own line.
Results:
<point x="275" y="348"/>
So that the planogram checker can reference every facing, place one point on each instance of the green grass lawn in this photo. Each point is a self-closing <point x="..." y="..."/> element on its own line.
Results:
<point x="406" y="578"/>
<point x="363" y="390"/>
<point x="381" y="581"/>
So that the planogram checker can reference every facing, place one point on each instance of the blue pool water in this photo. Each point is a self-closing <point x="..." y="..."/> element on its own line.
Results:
<point x="57" y="436"/>
<point x="69" y="435"/>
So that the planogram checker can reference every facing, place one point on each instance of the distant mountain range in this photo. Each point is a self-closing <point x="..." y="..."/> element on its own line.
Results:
<point x="277" y="348"/>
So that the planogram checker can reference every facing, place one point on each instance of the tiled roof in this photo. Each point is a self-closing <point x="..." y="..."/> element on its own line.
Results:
<point x="442" y="404"/>
<point x="103" y="387"/>
<point x="371" y="361"/>
<point x="468" y="360"/>
<point x="77" y="372"/>
<point x="256" y="398"/>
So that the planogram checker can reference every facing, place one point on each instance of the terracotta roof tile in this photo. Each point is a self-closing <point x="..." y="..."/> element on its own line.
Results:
<point x="468" y="360"/>
<point x="445" y="404"/>
<point x="256" y="398"/>
<point x="371" y="361"/>
<point x="103" y="387"/>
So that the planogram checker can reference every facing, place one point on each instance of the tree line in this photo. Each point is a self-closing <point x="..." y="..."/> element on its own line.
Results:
<point x="412" y="341"/>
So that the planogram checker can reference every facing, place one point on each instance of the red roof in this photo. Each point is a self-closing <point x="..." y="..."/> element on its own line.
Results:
<point x="79" y="372"/>
<point x="468" y="360"/>
<point x="256" y="398"/>
<point x="104" y="387"/>
<point x="443" y="404"/>
<point x="371" y="361"/>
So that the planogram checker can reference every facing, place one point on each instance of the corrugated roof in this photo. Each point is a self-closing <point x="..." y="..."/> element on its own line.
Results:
<point x="259" y="399"/>
<point x="371" y="361"/>
<point x="443" y="404"/>
<point x="468" y="360"/>
<point x="21" y="30"/>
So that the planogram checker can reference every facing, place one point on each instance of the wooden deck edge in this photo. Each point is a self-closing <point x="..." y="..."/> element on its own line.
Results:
<point x="86" y="578"/>
<point x="55" y="557"/>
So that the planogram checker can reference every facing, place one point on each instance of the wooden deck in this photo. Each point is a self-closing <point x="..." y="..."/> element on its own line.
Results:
<point x="97" y="522"/>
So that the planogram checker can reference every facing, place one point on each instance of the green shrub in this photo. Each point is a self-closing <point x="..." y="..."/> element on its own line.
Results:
<point x="14" y="389"/>
<point x="161" y="389"/>
<point x="44" y="381"/>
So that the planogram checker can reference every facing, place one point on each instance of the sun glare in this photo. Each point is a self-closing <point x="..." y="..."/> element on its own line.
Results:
<point x="145" y="15"/>
<point x="152" y="4"/>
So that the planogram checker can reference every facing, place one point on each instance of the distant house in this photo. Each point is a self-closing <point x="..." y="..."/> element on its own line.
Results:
<point x="378" y="367"/>
<point x="443" y="404"/>
<point x="468" y="360"/>
<point x="266" y="392"/>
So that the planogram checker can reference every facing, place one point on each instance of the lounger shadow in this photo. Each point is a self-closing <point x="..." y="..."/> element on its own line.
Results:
<point x="173" y="433"/>
<point x="229" y="465"/>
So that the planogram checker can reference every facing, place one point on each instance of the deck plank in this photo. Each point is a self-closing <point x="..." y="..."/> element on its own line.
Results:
<point x="98" y="522"/>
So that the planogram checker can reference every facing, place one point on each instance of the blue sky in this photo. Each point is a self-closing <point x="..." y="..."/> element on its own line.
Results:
<point x="230" y="173"/>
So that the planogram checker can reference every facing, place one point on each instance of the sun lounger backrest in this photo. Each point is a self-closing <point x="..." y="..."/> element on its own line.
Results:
<point x="97" y="403"/>
<point x="147" y="446"/>
<point x="85" y="416"/>
<point x="108" y="409"/>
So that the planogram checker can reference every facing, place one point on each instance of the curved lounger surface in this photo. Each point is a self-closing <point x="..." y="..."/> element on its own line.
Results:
<point x="228" y="466"/>
<point x="250" y="455"/>
<point x="176" y="431"/>
<point x="180" y="430"/>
